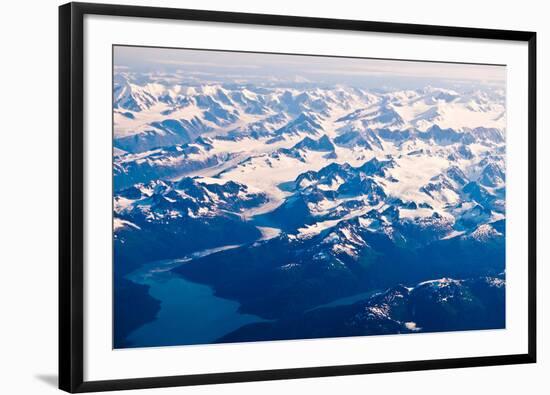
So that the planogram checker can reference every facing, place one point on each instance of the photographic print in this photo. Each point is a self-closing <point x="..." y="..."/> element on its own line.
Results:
<point x="262" y="197"/>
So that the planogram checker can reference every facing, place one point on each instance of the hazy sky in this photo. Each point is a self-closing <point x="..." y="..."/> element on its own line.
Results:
<point x="267" y="68"/>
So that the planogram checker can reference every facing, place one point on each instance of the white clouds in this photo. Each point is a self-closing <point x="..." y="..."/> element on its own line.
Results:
<point x="259" y="66"/>
<point x="420" y="69"/>
<point x="205" y="64"/>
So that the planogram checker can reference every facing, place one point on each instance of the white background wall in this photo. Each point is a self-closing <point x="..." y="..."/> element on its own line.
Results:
<point x="28" y="195"/>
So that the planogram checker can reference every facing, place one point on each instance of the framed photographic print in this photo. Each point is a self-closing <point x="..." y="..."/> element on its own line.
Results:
<point x="259" y="197"/>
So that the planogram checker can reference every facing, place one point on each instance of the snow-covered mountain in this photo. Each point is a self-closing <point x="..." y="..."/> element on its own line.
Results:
<point x="172" y="112"/>
<point x="322" y="191"/>
<point x="430" y="306"/>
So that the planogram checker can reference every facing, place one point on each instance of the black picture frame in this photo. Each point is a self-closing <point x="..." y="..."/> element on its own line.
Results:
<point x="71" y="195"/>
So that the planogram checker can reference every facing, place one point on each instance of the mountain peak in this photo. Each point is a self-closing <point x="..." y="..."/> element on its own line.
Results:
<point x="322" y="144"/>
